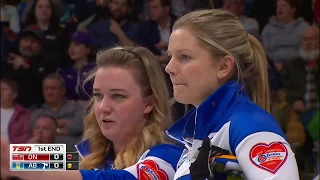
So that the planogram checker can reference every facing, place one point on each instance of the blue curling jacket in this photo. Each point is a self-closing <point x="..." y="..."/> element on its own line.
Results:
<point x="159" y="162"/>
<point x="257" y="146"/>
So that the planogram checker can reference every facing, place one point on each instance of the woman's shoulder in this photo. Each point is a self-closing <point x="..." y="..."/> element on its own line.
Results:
<point x="251" y="119"/>
<point x="251" y="114"/>
<point x="168" y="152"/>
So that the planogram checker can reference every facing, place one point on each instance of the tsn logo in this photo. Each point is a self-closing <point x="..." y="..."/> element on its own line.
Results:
<point x="21" y="148"/>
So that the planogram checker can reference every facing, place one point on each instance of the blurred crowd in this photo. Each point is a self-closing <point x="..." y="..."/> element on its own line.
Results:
<point x="48" y="50"/>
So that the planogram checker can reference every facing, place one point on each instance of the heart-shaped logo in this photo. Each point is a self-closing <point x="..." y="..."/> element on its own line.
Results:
<point x="150" y="170"/>
<point x="269" y="157"/>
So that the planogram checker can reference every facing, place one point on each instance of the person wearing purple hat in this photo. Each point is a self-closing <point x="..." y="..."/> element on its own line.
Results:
<point x="74" y="76"/>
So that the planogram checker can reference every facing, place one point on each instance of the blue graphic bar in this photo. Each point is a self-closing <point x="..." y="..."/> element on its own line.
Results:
<point x="31" y="165"/>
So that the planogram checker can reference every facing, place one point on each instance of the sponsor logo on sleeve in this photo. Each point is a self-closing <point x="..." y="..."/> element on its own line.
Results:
<point x="150" y="170"/>
<point x="269" y="157"/>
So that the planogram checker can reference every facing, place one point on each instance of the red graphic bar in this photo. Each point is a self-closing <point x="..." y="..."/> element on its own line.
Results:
<point x="36" y="157"/>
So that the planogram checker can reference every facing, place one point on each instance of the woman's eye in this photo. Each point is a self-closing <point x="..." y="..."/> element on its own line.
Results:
<point x="118" y="96"/>
<point x="185" y="57"/>
<point x="98" y="95"/>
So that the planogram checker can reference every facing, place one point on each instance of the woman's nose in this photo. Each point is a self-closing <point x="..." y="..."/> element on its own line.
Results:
<point x="105" y="106"/>
<point x="170" y="68"/>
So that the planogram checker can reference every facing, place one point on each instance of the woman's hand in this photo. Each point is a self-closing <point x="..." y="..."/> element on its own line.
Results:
<point x="202" y="167"/>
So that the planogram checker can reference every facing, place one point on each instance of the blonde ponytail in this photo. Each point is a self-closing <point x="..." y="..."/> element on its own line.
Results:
<point x="259" y="90"/>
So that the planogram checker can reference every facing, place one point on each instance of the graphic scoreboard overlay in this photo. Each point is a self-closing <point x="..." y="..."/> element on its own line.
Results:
<point x="42" y="157"/>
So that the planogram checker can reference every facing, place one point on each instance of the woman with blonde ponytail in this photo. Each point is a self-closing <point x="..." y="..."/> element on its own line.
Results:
<point x="222" y="70"/>
<point x="125" y="126"/>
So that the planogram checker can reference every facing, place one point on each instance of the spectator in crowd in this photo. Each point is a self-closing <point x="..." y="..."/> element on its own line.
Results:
<point x="25" y="6"/>
<point x="14" y="118"/>
<point x="115" y="30"/>
<point x="281" y="37"/>
<point x="10" y="15"/>
<point x="44" y="130"/>
<point x="237" y="7"/>
<point x="180" y="7"/>
<point x="299" y="76"/>
<point x="79" y="51"/>
<point x="262" y="10"/>
<point x="154" y="34"/>
<point x="43" y="14"/>
<point x="67" y="113"/>
<point x="29" y="66"/>
<point x="288" y="120"/>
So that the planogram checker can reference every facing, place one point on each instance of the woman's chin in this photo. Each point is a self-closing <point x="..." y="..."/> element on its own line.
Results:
<point x="180" y="98"/>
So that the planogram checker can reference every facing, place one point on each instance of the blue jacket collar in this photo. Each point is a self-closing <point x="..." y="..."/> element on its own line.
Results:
<point x="200" y="122"/>
<point x="83" y="148"/>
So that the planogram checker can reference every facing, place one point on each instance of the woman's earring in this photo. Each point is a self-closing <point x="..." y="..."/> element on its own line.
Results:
<point x="218" y="76"/>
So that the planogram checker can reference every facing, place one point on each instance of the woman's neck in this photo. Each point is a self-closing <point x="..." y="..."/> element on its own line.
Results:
<point x="43" y="24"/>
<point x="118" y="147"/>
<point x="80" y="62"/>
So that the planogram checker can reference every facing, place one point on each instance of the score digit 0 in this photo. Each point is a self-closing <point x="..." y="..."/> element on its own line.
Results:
<point x="56" y="157"/>
<point x="56" y="165"/>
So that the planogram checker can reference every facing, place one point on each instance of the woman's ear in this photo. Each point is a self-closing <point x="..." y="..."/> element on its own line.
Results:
<point x="226" y="67"/>
<point x="149" y="104"/>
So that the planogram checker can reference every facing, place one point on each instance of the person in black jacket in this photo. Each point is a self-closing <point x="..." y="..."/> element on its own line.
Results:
<point x="29" y="66"/>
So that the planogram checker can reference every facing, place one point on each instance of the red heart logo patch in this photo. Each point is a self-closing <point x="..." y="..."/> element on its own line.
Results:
<point x="269" y="157"/>
<point x="150" y="170"/>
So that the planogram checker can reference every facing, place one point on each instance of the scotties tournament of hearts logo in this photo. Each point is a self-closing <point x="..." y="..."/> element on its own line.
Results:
<point x="269" y="157"/>
<point x="150" y="170"/>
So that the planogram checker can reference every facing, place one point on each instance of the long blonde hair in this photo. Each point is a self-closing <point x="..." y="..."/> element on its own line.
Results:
<point x="221" y="33"/>
<point x="147" y="72"/>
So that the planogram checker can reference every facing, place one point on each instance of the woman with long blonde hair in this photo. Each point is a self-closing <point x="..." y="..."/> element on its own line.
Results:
<point x="222" y="70"/>
<point x="124" y="128"/>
